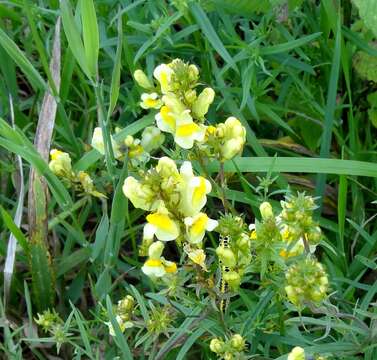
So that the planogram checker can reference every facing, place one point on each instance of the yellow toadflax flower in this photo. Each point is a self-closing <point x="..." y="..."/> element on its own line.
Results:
<point x="196" y="227"/>
<point x="60" y="163"/>
<point x="197" y="256"/>
<point x="194" y="191"/>
<point x="98" y="143"/>
<point x="156" y="266"/>
<point x="143" y="80"/>
<point x="162" y="224"/>
<point x="141" y="196"/>
<point x="186" y="131"/>
<point x="150" y="101"/>
<point x="163" y="74"/>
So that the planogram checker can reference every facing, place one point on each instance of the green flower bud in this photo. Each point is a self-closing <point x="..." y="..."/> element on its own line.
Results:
<point x="142" y="80"/>
<point x="233" y="279"/>
<point x="217" y="346"/>
<point x="266" y="210"/>
<point x="226" y="256"/>
<point x="202" y="103"/>
<point x="152" y="138"/>
<point x="237" y="342"/>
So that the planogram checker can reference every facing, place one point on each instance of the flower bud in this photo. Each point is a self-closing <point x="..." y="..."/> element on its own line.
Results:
<point x="266" y="210"/>
<point x="193" y="73"/>
<point x="226" y="256"/>
<point x="166" y="167"/>
<point x="60" y="163"/>
<point x="202" y="103"/>
<point x="217" y="346"/>
<point x="298" y="353"/>
<point x="233" y="279"/>
<point x="237" y="342"/>
<point x="152" y="138"/>
<point x="142" y="80"/>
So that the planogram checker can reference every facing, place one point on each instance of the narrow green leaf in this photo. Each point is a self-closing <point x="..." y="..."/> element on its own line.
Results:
<point x="210" y="33"/>
<point x="90" y="34"/>
<point x="73" y="37"/>
<point x="20" y="59"/>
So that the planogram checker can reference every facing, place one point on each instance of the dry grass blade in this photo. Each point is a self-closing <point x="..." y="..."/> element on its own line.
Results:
<point x="42" y="277"/>
<point x="12" y="243"/>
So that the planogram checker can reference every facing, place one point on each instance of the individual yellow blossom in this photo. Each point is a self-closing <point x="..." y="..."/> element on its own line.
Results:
<point x="233" y="136"/>
<point x="202" y="103"/>
<point x="297" y="353"/>
<point x="143" y="80"/>
<point x="187" y="131"/>
<point x="150" y="101"/>
<point x="156" y="266"/>
<point x="152" y="138"/>
<point x="98" y="143"/>
<point x="60" y="163"/>
<point x="162" y="224"/>
<point x="140" y="195"/>
<point x="196" y="227"/>
<point x="163" y="74"/>
<point x="197" y="256"/>
<point x="87" y="184"/>
<point x="165" y="120"/>
<point x="194" y="191"/>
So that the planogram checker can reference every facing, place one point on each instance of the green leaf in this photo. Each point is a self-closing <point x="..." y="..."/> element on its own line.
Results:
<point x="90" y="34"/>
<point x="73" y="37"/>
<point x="69" y="262"/>
<point x="20" y="59"/>
<point x="210" y="33"/>
<point x="299" y="165"/>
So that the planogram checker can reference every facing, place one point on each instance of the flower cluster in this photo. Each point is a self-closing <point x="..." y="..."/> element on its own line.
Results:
<point x="52" y="323"/>
<point x="234" y="251"/>
<point x="182" y="110"/>
<point x="123" y="314"/>
<point x="229" y="349"/>
<point x="306" y="281"/>
<point x="298" y="228"/>
<point x="175" y="200"/>
<point x="61" y="165"/>
<point x="138" y="150"/>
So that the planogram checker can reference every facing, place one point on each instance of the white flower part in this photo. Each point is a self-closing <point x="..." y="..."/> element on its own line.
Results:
<point x="252" y="227"/>
<point x="140" y="195"/>
<point x="155" y="250"/>
<point x="196" y="227"/>
<point x="150" y="101"/>
<point x="153" y="268"/>
<point x="166" y="229"/>
<point x="98" y="143"/>
<point x="187" y="131"/>
<point x="152" y="138"/>
<point x="163" y="74"/>
<point x="148" y="231"/>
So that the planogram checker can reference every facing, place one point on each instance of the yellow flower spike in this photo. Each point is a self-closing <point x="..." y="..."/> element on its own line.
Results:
<point x="194" y="191"/>
<point x="141" y="196"/>
<point x="142" y="80"/>
<point x="150" y="101"/>
<point x="297" y="353"/>
<point x="163" y="74"/>
<point x="202" y="103"/>
<point x="60" y="163"/>
<point x="164" y="227"/>
<point x="98" y="143"/>
<point x="196" y="227"/>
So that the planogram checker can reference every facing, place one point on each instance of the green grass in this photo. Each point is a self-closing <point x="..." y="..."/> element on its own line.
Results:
<point x="286" y="69"/>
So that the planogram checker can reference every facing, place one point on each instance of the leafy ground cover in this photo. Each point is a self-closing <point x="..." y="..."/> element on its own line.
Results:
<point x="188" y="179"/>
